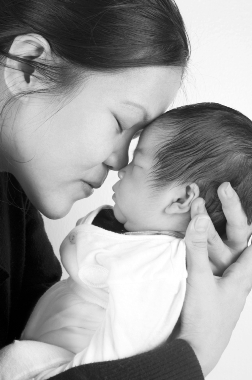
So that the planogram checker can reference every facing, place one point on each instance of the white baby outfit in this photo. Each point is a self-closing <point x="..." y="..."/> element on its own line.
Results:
<point x="124" y="297"/>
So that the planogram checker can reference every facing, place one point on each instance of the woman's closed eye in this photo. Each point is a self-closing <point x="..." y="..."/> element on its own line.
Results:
<point x="120" y="128"/>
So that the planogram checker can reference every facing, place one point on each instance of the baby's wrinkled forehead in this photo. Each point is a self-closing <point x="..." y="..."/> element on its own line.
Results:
<point x="152" y="137"/>
<point x="146" y="141"/>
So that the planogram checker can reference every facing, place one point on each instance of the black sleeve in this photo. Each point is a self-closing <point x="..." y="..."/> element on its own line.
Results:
<point x="171" y="361"/>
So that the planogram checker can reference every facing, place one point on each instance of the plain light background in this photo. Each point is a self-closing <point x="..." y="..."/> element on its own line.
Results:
<point x="220" y="70"/>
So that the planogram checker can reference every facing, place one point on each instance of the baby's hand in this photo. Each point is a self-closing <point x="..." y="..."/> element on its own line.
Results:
<point x="224" y="251"/>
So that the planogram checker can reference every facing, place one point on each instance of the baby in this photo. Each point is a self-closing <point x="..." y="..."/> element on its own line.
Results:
<point x="127" y="263"/>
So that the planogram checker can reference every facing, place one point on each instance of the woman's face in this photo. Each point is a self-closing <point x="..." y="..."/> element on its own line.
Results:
<point x="59" y="151"/>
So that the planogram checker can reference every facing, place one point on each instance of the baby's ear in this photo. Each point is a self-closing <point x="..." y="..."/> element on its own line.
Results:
<point x="182" y="202"/>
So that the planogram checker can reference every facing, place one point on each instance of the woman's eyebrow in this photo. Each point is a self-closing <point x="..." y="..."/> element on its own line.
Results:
<point x="139" y="106"/>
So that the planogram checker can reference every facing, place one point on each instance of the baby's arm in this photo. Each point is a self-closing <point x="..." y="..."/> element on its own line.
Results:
<point x="145" y="301"/>
<point x="28" y="359"/>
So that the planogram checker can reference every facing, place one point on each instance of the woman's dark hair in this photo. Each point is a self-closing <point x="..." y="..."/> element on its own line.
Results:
<point x="97" y="35"/>
<point x="206" y="143"/>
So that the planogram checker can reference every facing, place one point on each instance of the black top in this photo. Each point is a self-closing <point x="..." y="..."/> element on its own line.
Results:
<point x="105" y="219"/>
<point x="28" y="267"/>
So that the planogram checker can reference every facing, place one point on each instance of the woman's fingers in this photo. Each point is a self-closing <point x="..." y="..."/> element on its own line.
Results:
<point x="237" y="230"/>
<point x="231" y="205"/>
<point x="219" y="254"/>
<point x="196" y="316"/>
<point x="198" y="207"/>
<point x="240" y="272"/>
<point x="212" y="304"/>
<point x="196" y="243"/>
<point x="215" y="244"/>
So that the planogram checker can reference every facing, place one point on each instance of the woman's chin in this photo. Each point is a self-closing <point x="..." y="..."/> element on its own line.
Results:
<point x="56" y="204"/>
<point x="54" y="212"/>
<point x="53" y="207"/>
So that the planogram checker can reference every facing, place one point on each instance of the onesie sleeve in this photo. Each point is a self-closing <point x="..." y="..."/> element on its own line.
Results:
<point x="171" y="361"/>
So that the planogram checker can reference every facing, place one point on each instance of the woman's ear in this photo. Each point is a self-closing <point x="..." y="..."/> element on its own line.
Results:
<point x="19" y="75"/>
<point x="182" y="201"/>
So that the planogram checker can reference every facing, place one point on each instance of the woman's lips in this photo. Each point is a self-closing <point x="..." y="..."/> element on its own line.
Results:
<point x="94" y="185"/>
<point x="88" y="189"/>
<point x="100" y="178"/>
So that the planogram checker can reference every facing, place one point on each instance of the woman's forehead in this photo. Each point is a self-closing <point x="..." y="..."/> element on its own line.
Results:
<point x="151" y="89"/>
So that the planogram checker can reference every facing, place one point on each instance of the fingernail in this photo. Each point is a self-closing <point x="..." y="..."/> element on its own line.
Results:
<point x="229" y="191"/>
<point x="201" y="223"/>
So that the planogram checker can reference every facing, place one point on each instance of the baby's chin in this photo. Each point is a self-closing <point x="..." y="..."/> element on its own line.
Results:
<point x="129" y="225"/>
<point x="118" y="215"/>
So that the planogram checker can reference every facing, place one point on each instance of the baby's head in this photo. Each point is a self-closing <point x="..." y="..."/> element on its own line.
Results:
<point x="186" y="153"/>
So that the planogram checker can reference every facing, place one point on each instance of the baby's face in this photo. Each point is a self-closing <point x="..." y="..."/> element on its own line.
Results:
<point x="137" y="204"/>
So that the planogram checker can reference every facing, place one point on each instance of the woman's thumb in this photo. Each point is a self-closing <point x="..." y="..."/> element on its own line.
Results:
<point x="196" y="244"/>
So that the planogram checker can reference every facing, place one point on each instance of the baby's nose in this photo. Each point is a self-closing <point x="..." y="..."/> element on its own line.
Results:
<point x="121" y="173"/>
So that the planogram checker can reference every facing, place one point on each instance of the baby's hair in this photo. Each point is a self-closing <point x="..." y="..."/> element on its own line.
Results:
<point x="208" y="144"/>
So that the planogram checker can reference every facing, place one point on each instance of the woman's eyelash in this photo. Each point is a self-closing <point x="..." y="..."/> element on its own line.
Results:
<point x="119" y="125"/>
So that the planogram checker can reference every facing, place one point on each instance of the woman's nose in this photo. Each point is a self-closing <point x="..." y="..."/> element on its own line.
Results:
<point x="118" y="159"/>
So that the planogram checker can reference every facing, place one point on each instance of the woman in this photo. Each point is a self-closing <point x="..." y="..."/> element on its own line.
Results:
<point x="78" y="80"/>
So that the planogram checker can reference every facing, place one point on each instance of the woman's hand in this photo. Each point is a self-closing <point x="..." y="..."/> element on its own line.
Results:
<point x="224" y="251"/>
<point x="213" y="304"/>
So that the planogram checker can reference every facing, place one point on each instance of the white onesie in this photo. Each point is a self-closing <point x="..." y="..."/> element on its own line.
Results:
<point x="124" y="295"/>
